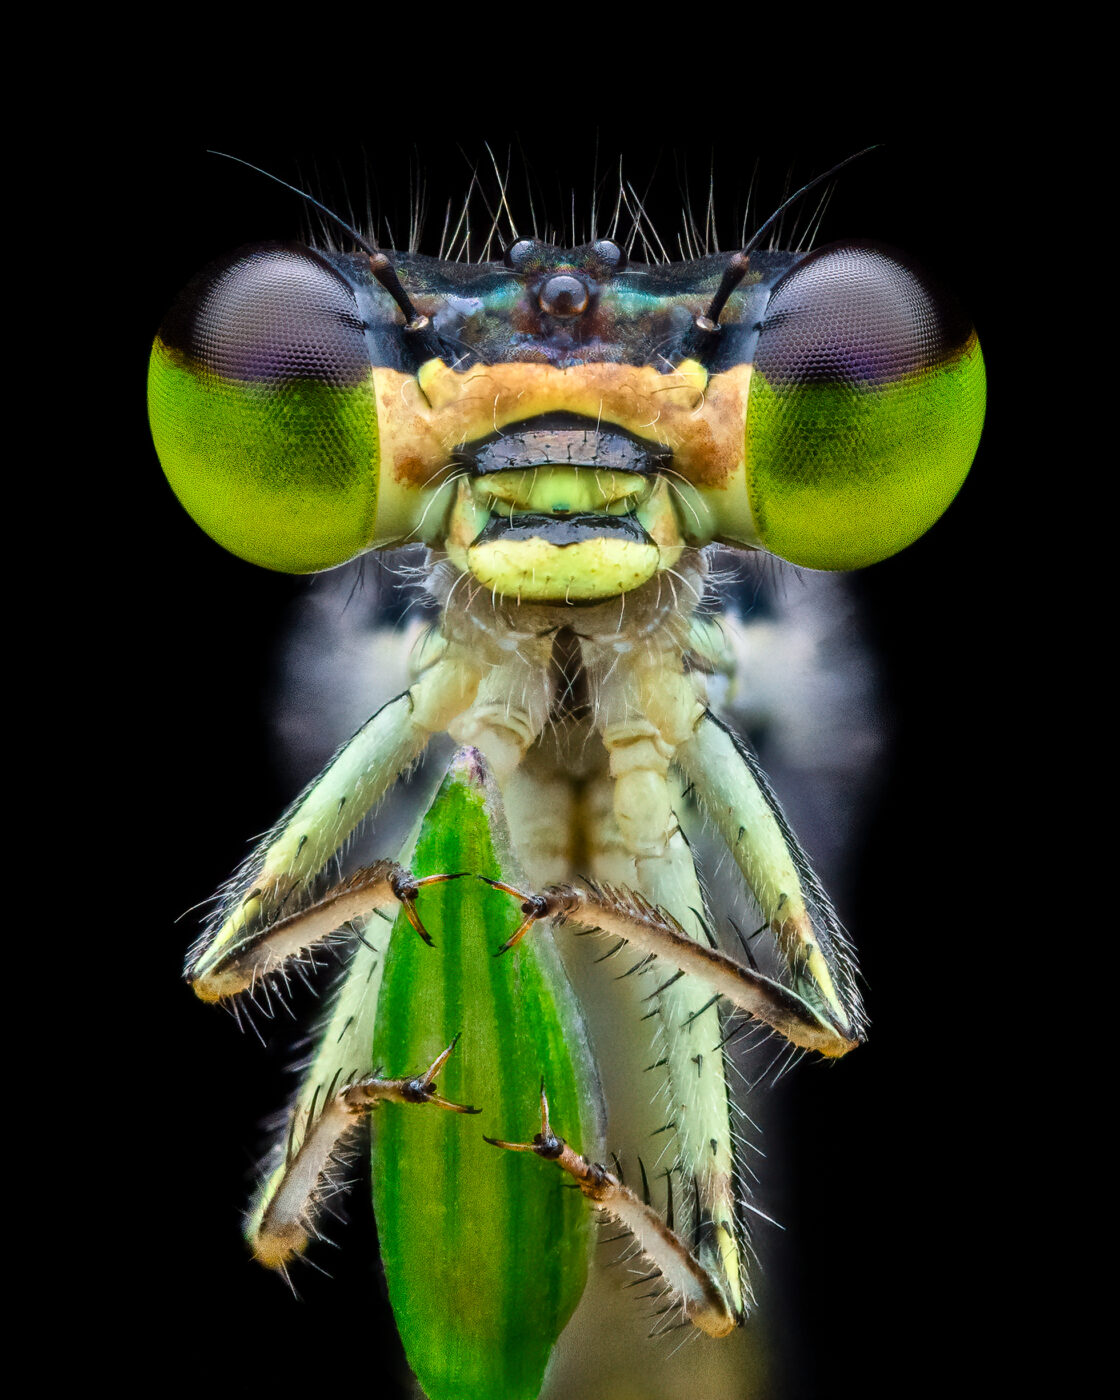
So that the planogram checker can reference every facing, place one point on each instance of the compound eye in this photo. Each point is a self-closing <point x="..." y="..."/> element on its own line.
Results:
<point x="865" y="408"/>
<point x="261" y="401"/>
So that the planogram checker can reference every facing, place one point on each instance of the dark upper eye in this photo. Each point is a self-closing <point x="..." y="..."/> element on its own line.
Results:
<point x="856" y="314"/>
<point x="269" y="314"/>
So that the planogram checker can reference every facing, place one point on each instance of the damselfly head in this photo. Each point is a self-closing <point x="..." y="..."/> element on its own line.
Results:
<point x="563" y="422"/>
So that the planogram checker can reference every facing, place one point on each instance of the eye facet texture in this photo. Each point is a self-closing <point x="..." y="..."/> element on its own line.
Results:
<point x="261" y="400"/>
<point x="866" y="404"/>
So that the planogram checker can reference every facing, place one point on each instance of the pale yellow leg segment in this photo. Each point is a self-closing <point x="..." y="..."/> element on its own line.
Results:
<point x="540" y="803"/>
<point x="511" y="707"/>
<point x="646" y="707"/>
<point x="733" y="792"/>
<point x="343" y="1056"/>
<point x="273" y="882"/>
<point x="284" y="1223"/>
<point x="700" y="1107"/>
<point x="701" y="1298"/>
<point x="640" y="752"/>
<point x="622" y="913"/>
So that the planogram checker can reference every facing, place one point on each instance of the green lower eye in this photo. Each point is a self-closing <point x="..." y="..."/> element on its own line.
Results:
<point x="865" y="410"/>
<point x="262" y="407"/>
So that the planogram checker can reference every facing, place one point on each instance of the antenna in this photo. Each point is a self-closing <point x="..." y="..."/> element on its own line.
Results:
<point x="706" y="325"/>
<point x="379" y="264"/>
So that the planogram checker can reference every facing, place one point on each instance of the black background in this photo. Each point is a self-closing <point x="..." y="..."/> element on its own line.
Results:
<point x="890" y="1166"/>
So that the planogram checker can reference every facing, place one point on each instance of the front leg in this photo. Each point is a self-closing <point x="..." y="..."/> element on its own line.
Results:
<point x="734" y="792"/>
<point x="264" y="951"/>
<point x="652" y="715"/>
<point x="279" y="879"/>
<point x="628" y="914"/>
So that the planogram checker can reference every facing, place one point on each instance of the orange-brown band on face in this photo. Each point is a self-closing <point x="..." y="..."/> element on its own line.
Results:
<point x="699" y="419"/>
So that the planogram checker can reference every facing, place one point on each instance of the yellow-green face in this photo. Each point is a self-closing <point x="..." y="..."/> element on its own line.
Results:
<point x="558" y="429"/>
